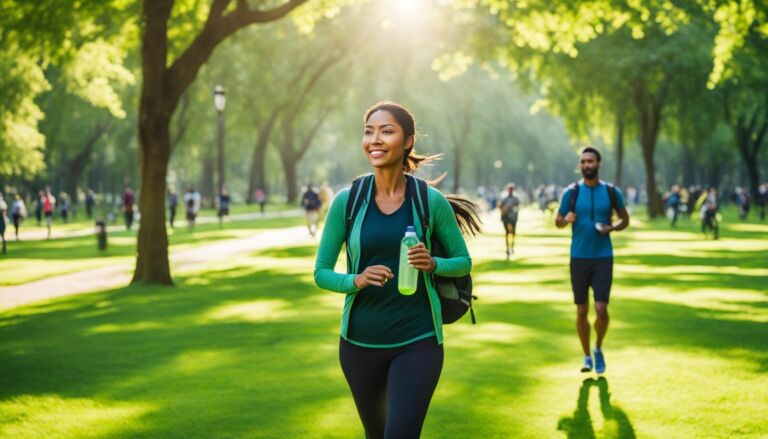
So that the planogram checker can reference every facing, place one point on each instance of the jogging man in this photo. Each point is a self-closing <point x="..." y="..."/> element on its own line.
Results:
<point x="510" y="207"/>
<point x="588" y="206"/>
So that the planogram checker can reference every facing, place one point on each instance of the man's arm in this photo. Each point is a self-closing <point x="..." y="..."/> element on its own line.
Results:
<point x="562" y="221"/>
<point x="621" y="225"/>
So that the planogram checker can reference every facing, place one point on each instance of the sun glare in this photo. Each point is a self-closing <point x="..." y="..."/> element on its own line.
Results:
<point x="408" y="11"/>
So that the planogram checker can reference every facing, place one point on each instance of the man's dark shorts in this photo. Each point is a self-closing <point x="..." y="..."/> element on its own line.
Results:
<point x="596" y="273"/>
<point x="509" y="220"/>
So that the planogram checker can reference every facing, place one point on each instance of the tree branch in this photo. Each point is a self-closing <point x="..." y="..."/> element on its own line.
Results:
<point x="307" y="141"/>
<point x="184" y="69"/>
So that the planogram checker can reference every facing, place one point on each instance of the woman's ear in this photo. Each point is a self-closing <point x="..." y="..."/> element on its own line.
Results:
<point x="409" y="143"/>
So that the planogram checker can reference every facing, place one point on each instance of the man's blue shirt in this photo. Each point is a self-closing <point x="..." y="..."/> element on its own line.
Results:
<point x="593" y="205"/>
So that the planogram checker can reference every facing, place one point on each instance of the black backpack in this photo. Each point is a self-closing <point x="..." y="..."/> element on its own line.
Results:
<point x="611" y="195"/>
<point x="455" y="293"/>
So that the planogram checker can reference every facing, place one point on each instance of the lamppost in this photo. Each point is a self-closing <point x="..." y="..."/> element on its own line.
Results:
<point x="220" y="102"/>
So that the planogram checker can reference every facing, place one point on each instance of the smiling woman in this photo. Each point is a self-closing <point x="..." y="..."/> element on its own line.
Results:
<point x="391" y="348"/>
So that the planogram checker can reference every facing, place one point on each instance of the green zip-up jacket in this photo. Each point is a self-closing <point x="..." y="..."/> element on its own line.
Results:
<point x="442" y="223"/>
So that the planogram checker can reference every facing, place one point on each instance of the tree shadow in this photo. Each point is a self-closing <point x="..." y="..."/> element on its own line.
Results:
<point x="616" y="421"/>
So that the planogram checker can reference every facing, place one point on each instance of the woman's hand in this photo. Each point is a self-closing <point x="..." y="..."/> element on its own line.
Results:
<point x="419" y="257"/>
<point x="376" y="275"/>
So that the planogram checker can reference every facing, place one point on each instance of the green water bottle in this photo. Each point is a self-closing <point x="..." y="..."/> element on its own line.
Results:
<point x="407" y="274"/>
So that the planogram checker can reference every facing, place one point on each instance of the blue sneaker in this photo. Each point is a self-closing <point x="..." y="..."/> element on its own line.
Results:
<point x="587" y="367"/>
<point x="599" y="361"/>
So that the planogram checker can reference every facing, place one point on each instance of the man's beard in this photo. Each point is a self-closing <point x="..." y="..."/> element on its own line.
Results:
<point x="589" y="173"/>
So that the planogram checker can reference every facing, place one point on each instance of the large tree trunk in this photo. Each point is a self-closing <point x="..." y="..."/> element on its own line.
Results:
<point x="619" y="150"/>
<point x="749" y="138"/>
<point x="258" y="177"/>
<point x="76" y="165"/>
<point x="154" y="146"/>
<point x="456" y="168"/>
<point x="649" y="107"/>
<point x="162" y="86"/>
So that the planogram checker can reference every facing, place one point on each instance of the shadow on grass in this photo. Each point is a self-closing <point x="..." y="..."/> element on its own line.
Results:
<point x="580" y="424"/>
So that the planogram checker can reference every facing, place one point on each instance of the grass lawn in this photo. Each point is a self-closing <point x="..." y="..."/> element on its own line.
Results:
<point x="248" y="348"/>
<point x="31" y="260"/>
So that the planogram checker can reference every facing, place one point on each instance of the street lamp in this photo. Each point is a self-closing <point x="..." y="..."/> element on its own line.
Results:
<point x="220" y="102"/>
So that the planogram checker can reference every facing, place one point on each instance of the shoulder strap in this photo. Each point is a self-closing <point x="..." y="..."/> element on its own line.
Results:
<point x="356" y="195"/>
<point x="575" y="193"/>
<point x="612" y="195"/>
<point x="422" y="201"/>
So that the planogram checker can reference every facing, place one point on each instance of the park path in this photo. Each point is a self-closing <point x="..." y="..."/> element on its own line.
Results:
<point x="40" y="233"/>
<point x="118" y="275"/>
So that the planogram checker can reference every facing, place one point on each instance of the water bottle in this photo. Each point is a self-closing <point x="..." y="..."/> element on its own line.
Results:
<point x="407" y="275"/>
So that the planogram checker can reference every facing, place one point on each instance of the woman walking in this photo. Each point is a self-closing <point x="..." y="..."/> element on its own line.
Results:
<point x="3" y="222"/>
<point x="18" y="213"/>
<point x="391" y="348"/>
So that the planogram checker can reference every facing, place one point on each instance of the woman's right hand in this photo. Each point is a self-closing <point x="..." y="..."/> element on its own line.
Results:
<point x="377" y="275"/>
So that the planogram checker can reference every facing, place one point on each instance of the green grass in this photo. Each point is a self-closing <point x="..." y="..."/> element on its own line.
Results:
<point x="31" y="260"/>
<point x="248" y="348"/>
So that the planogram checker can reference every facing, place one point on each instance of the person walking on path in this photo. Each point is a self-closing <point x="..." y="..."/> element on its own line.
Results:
<point x="708" y="213"/>
<point x="173" y="204"/>
<point x="326" y="196"/>
<point x="762" y="200"/>
<point x="49" y="205"/>
<point x="510" y="208"/>
<point x="90" y="202"/>
<point x="129" y="200"/>
<point x="673" y="205"/>
<point x="18" y="213"/>
<point x="39" y="208"/>
<point x="261" y="198"/>
<point x="224" y="200"/>
<point x="64" y="207"/>
<point x="3" y="222"/>
<point x="311" y="203"/>
<point x="588" y="206"/>
<point x="391" y="350"/>
<point x="192" y="206"/>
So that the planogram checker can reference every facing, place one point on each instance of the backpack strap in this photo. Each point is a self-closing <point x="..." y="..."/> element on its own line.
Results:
<point x="612" y="195"/>
<point x="574" y="187"/>
<point x="422" y="202"/>
<point x="357" y="194"/>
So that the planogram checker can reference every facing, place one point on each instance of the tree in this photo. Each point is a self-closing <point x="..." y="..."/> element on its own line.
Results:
<point x="162" y="87"/>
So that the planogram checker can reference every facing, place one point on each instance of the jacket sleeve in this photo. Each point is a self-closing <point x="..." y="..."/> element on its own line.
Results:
<point x="334" y="235"/>
<point x="446" y="229"/>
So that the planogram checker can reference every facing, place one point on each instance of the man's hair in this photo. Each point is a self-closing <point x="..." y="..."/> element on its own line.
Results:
<point x="593" y="151"/>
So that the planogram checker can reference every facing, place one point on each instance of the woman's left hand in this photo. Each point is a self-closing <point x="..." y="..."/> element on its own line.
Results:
<point x="419" y="257"/>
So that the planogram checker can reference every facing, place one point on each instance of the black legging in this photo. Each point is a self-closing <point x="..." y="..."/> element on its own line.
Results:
<point x="392" y="387"/>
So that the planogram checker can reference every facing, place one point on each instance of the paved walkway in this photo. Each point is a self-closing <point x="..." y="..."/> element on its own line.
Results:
<point x="34" y="233"/>
<point x="118" y="275"/>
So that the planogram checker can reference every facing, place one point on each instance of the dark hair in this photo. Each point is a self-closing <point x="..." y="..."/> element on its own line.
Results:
<point x="593" y="151"/>
<point x="464" y="209"/>
<point x="405" y="119"/>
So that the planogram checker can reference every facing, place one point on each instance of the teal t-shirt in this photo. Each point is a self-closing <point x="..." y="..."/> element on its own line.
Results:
<point x="593" y="205"/>
<point x="381" y="316"/>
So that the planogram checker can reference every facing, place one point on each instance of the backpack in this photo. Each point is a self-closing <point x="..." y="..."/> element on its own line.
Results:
<point x="455" y="293"/>
<point x="611" y="196"/>
<point x="312" y="200"/>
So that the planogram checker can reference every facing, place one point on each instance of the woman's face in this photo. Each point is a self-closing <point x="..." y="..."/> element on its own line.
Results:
<point x="383" y="142"/>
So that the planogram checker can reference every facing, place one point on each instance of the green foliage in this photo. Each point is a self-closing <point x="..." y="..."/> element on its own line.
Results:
<point x="21" y="144"/>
